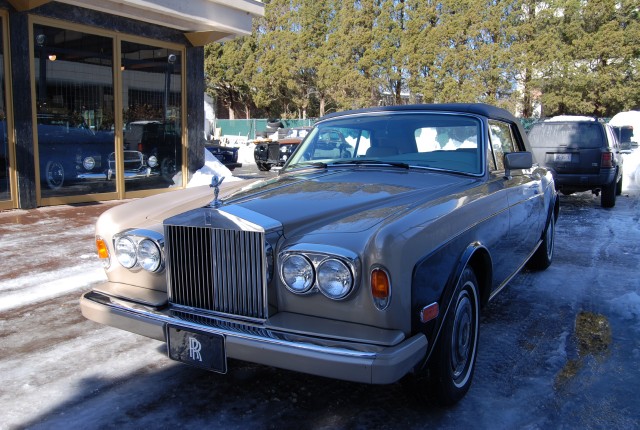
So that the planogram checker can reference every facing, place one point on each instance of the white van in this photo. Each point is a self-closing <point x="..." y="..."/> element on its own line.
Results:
<point x="627" y="125"/>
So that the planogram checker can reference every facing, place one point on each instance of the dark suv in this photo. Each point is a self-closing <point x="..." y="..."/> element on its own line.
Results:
<point x="582" y="153"/>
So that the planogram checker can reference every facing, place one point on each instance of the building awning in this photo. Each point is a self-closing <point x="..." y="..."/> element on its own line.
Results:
<point x="203" y="21"/>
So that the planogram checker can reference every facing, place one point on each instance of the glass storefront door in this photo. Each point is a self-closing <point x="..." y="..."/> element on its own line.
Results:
<point x="152" y="115"/>
<point x="114" y="135"/>
<point x="75" y="112"/>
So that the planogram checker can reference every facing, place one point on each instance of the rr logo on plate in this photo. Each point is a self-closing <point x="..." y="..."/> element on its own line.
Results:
<point x="194" y="349"/>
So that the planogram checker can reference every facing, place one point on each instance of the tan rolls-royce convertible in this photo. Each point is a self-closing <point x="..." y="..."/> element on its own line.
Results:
<point x="366" y="261"/>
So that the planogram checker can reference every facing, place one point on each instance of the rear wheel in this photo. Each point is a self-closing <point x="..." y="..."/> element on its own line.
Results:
<point x="453" y="361"/>
<point x="543" y="256"/>
<point x="608" y="198"/>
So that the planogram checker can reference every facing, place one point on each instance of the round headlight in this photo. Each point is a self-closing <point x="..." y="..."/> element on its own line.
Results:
<point x="152" y="161"/>
<point x="297" y="273"/>
<point x="89" y="163"/>
<point x="149" y="255"/>
<point x="126" y="252"/>
<point x="334" y="278"/>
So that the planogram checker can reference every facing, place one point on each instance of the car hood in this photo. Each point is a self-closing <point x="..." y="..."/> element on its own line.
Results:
<point x="343" y="200"/>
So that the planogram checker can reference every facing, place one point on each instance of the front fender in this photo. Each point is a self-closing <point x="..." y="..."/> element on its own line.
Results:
<point x="435" y="278"/>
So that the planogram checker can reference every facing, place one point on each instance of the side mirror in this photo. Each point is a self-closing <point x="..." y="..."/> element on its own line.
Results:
<point x="516" y="160"/>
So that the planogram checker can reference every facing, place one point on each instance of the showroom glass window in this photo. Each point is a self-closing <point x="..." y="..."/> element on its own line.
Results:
<point x="5" y="190"/>
<point x="75" y="111"/>
<point x="152" y="118"/>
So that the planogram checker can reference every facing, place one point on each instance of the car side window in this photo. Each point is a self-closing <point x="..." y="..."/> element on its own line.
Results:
<point x="502" y="142"/>
<point x="613" y="139"/>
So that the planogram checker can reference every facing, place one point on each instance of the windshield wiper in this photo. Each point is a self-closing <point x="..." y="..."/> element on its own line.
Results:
<point x="316" y="164"/>
<point x="375" y="162"/>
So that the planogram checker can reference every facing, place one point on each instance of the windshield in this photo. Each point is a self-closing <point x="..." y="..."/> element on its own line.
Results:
<point x="442" y="141"/>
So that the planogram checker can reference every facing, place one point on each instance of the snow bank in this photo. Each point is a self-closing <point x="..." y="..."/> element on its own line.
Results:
<point x="211" y="167"/>
<point x="245" y="153"/>
<point x="631" y="169"/>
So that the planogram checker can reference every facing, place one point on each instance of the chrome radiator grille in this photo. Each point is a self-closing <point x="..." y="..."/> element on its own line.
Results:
<point x="216" y="270"/>
<point x="274" y="151"/>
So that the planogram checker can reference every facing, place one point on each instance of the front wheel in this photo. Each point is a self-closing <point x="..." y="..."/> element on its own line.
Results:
<point x="453" y="361"/>
<point x="54" y="174"/>
<point x="168" y="169"/>
<point x="263" y="166"/>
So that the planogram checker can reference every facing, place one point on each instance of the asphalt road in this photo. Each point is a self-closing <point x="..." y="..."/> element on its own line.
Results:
<point x="558" y="349"/>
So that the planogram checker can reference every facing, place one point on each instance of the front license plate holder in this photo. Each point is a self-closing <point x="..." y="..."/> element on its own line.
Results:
<point x="197" y="348"/>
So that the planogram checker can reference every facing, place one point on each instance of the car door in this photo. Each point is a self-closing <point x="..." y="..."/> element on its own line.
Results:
<point x="525" y="195"/>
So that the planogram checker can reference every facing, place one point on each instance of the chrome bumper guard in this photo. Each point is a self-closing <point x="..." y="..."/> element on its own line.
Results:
<point x="343" y="360"/>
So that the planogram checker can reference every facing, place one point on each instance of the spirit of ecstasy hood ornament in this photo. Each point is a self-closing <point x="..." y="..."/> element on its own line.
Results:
<point x="215" y="184"/>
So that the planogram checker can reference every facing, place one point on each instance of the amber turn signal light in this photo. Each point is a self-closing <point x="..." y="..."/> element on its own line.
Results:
<point x="101" y="247"/>
<point x="380" y="288"/>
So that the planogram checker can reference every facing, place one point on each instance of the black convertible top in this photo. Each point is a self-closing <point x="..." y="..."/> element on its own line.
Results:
<point x="482" y="109"/>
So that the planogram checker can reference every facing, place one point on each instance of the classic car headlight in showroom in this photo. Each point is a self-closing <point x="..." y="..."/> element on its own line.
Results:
<point x="89" y="163"/>
<point x="310" y="271"/>
<point x="135" y="249"/>
<point x="152" y="161"/>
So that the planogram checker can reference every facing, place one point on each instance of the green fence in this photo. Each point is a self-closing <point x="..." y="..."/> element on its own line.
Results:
<point x="252" y="128"/>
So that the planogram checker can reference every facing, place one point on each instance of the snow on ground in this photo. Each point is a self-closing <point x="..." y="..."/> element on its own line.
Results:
<point x="214" y="167"/>
<point x="20" y="291"/>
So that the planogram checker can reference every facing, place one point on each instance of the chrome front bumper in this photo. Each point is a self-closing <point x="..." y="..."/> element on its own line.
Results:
<point x="339" y="359"/>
